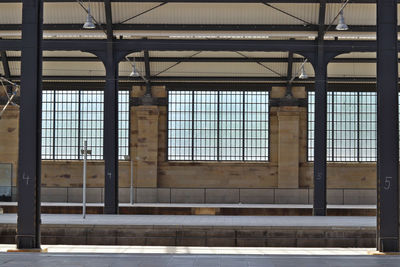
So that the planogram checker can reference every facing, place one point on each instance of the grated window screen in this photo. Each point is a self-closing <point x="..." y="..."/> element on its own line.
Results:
<point x="351" y="126"/>
<point x="71" y="116"/>
<point x="218" y="125"/>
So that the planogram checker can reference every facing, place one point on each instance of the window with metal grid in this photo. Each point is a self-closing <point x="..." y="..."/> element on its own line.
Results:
<point x="218" y="125"/>
<point x="69" y="117"/>
<point x="351" y="126"/>
<point x="123" y="124"/>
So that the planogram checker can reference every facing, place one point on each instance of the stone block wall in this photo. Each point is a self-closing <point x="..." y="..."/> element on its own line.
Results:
<point x="286" y="178"/>
<point x="9" y="129"/>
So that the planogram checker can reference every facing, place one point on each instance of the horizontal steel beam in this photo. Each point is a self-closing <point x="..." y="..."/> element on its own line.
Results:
<point x="200" y="59"/>
<point x="211" y="1"/>
<point x="205" y="78"/>
<point x="242" y="45"/>
<point x="135" y="45"/>
<point x="84" y="85"/>
<point x="194" y="27"/>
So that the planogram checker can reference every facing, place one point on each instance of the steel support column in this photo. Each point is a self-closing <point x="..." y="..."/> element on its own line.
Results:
<point x="319" y="207"/>
<point x="29" y="154"/>
<point x="111" y="132"/>
<point x="147" y="72"/>
<point x="388" y="132"/>
<point x="289" y="75"/>
<point x="110" y="120"/>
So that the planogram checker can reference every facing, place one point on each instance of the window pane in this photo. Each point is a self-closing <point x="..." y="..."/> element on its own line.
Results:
<point x="91" y="125"/>
<point x="351" y="129"/>
<point x="231" y="125"/>
<point x="180" y="104"/>
<point x="72" y="116"/>
<point x="218" y="125"/>
<point x="367" y="126"/>
<point x="256" y="126"/>
<point x="205" y="125"/>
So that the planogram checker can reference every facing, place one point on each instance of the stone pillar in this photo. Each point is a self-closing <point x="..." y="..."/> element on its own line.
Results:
<point x="289" y="138"/>
<point x="288" y="147"/>
<point x="146" y="156"/>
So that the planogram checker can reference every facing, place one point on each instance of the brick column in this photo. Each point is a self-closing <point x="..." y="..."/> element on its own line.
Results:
<point x="288" y="147"/>
<point x="146" y="156"/>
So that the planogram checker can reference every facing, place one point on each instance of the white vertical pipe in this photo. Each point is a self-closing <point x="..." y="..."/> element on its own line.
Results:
<point x="84" y="179"/>
<point x="131" y="192"/>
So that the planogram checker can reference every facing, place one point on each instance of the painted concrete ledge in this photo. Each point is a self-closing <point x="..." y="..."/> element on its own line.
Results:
<point x="188" y="220"/>
<point x="181" y="250"/>
<point x="197" y="205"/>
<point x="212" y="231"/>
<point x="200" y="209"/>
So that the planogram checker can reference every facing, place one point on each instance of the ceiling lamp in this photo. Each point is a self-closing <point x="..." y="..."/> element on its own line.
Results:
<point x="89" y="21"/>
<point x="342" y="26"/>
<point x="303" y="75"/>
<point x="134" y="72"/>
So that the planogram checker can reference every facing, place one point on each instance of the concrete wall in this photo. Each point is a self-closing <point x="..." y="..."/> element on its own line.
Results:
<point x="286" y="178"/>
<point x="210" y="236"/>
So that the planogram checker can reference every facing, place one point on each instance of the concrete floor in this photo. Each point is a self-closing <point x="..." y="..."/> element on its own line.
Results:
<point x="187" y="260"/>
<point x="207" y="205"/>
<point x="198" y="250"/>
<point x="191" y="220"/>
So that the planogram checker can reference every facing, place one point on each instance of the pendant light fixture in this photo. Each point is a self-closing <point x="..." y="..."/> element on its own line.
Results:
<point x="89" y="20"/>
<point x="134" y="72"/>
<point x="303" y="75"/>
<point x="342" y="26"/>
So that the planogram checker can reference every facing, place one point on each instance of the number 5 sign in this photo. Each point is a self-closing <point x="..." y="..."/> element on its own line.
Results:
<point x="388" y="183"/>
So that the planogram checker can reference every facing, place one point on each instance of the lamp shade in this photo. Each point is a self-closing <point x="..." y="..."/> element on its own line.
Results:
<point x="89" y="21"/>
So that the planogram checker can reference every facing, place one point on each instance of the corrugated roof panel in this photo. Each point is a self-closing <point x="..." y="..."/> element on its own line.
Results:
<point x="358" y="55"/>
<point x="15" y="68"/>
<point x="66" y="82"/>
<point x="60" y="13"/>
<point x="73" y="69"/>
<point x="13" y="53"/>
<point x="212" y="13"/>
<point x="219" y="54"/>
<point x="10" y="13"/>
<point x="67" y="54"/>
<point x="364" y="70"/>
<point x="220" y="69"/>
<point x="355" y="14"/>
<point x="137" y="54"/>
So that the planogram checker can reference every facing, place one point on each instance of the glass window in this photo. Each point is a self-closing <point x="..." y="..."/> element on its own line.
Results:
<point x="69" y="117"/>
<point x="218" y="125"/>
<point x="351" y="126"/>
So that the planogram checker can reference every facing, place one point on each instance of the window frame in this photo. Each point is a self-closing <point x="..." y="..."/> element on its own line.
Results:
<point x="220" y="88"/>
<point x="79" y="146"/>
<point x="357" y="88"/>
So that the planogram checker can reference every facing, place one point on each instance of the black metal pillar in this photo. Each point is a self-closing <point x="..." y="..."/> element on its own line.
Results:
<point x="320" y="144"/>
<point x="111" y="132"/>
<point x="388" y="132"/>
<point x="29" y="157"/>
<point x="289" y="75"/>
<point x="147" y="72"/>
<point x="319" y="207"/>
